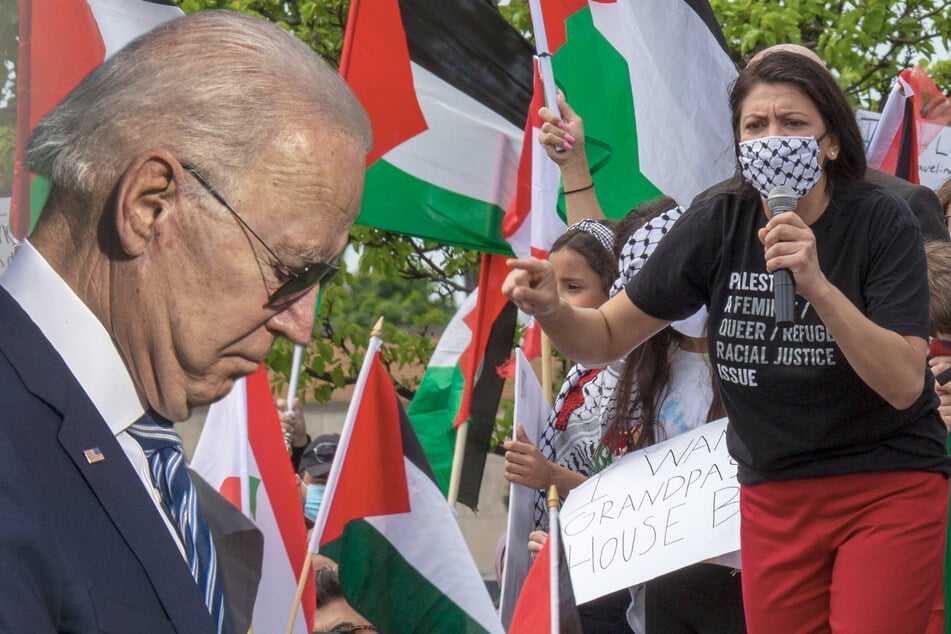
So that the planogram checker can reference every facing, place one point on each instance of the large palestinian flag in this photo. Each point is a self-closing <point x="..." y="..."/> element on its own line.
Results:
<point x="447" y="86"/>
<point x="650" y="78"/>
<point x="241" y="453"/>
<point x="402" y="559"/>
<point x="461" y="385"/>
<point x="60" y="43"/>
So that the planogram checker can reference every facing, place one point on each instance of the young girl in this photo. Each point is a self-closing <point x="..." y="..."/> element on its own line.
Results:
<point x="586" y="267"/>
<point x="662" y="389"/>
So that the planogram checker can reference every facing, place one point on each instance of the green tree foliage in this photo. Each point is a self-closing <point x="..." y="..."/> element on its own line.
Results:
<point x="8" y="52"/>
<point x="865" y="44"/>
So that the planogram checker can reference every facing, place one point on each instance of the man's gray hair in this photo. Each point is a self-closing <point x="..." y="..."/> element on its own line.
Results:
<point x="213" y="88"/>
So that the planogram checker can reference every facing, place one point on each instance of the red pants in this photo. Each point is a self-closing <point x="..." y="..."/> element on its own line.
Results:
<point x="860" y="553"/>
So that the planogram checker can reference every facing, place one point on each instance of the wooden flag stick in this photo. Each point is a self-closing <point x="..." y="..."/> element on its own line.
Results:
<point x="458" y="454"/>
<point x="554" y="550"/>
<point x="301" y="584"/>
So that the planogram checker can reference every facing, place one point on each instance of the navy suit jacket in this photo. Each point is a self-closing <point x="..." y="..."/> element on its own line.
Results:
<point x="82" y="546"/>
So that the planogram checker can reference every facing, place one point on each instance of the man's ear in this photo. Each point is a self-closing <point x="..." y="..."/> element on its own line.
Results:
<point x="146" y="192"/>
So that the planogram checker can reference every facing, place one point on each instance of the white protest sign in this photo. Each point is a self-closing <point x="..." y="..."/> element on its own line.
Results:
<point x="934" y="164"/>
<point x="531" y="410"/>
<point x="6" y="235"/>
<point x="652" y="512"/>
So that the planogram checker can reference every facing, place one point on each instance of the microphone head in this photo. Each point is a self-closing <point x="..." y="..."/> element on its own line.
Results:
<point x="781" y="199"/>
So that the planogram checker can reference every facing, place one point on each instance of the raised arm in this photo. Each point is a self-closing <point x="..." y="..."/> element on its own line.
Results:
<point x="563" y="140"/>
<point x="593" y="337"/>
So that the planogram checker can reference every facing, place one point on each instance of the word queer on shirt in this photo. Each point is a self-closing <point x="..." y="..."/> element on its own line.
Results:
<point x="652" y="512"/>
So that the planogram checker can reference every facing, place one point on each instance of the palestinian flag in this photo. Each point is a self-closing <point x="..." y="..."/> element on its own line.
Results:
<point x="650" y="78"/>
<point x="460" y="383"/>
<point x="60" y="43"/>
<point x="914" y="115"/>
<point x="241" y="453"/>
<point x="447" y="89"/>
<point x="402" y="560"/>
<point x="546" y="604"/>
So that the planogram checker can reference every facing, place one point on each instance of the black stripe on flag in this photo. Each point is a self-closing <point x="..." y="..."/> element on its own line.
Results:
<point x="485" y="406"/>
<point x="702" y="9"/>
<point x="903" y="164"/>
<point x="412" y="450"/>
<point x="469" y="45"/>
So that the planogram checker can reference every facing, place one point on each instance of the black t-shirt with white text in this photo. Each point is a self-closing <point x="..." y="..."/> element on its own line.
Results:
<point x="796" y="407"/>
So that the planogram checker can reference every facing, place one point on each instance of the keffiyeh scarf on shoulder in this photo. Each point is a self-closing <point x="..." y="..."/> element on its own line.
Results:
<point x="573" y="428"/>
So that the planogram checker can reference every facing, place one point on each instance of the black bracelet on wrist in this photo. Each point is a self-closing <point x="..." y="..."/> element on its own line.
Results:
<point x="580" y="189"/>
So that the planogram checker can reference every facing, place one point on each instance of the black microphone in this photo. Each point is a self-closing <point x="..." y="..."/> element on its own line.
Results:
<point x="780" y="200"/>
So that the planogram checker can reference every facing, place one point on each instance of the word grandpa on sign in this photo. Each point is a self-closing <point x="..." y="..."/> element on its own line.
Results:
<point x="654" y="511"/>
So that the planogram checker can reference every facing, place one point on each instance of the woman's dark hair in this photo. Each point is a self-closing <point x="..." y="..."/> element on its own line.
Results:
<point x="593" y="251"/>
<point x="817" y="83"/>
<point x="644" y="381"/>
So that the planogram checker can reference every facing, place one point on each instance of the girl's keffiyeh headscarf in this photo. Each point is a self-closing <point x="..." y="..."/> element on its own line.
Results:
<point x="635" y="252"/>
<point x="603" y="234"/>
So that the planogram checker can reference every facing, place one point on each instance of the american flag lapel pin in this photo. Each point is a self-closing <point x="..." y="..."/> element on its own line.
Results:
<point x="94" y="455"/>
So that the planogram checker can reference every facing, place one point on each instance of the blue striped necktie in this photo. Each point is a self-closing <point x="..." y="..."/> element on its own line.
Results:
<point x="163" y="449"/>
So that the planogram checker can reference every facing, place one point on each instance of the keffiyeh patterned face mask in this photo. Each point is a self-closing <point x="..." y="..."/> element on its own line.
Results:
<point x="772" y="161"/>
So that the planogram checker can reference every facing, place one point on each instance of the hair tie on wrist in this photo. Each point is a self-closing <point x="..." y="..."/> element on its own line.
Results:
<point x="580" y="189"/>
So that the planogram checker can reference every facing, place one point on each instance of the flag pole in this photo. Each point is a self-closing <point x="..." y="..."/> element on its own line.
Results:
<point x="296" y="363"/>
<point x="551" y="98"/>
<point x="458" y="453"/>
<point x="292" y="389"/>
<point x="554" y="550"/>
<point x="546" y="366"/>
<point x="544" y="55"/>
<point x="319" y="523"/>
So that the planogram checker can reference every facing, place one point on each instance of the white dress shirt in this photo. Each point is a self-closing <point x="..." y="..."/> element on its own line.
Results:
<point x="89" y="352"/>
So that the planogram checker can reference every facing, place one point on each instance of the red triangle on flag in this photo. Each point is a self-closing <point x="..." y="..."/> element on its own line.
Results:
<point x="555" y="12"/>
<point x="375" y="32"/>
<point x="534" y="610"/>
<point x="59" y="45"/>
<point x="373" y="455"/>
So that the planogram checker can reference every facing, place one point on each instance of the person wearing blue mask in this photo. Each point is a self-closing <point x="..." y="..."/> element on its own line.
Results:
<point x="315" y="463"/>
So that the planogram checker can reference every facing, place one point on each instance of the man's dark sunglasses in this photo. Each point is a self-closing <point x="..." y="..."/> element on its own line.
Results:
<point x="300" y="280"/>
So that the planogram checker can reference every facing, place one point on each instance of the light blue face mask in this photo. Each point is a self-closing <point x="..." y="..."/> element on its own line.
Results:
<point x="315" y="495"/>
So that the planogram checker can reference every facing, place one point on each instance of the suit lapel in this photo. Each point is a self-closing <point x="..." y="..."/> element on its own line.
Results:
<point x="113" y="480"/>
